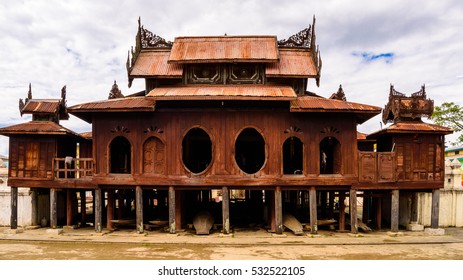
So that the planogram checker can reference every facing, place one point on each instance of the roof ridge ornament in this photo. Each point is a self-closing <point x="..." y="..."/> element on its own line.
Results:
<point x="339" y="95"/>
<point x="407" y="108"/>
<point x="115" y="92"/>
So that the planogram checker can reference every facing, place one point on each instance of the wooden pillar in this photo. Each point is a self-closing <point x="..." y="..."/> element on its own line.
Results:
<point x="110" y="210"/>
<point x="83" y="208"/>
<point x="226" y="210"/>
<point x="435" y="208"/>
<point x="353" y="211"/>
<point x="172" y="226"/>
<point x="178" y="209"/>
<point x="53" y="208"/>
<point x="270" y="198"/>
<point x="14" y="208"/>
<point x="331" y="205"/>
<point x="139" y="208"/>
<point x="34" y="207"/>
<point x="98" y="202"/>
<point x="278" y="211"/>
<point x="313" y="210"/>
<point x="69" y="205"/>
<point x="379" y="207"/>
<point x="395" y="211"/>
<point x="342" y="211"/>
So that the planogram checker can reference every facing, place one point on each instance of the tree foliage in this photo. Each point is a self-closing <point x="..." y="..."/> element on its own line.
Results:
<point x="451" y="115"/>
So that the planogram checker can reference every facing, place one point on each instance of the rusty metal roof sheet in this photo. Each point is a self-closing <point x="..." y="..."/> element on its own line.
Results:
<point x="218" y="92"/>
<point x="320" y="104"/>
<point x="87" y="135"/>
<point x="127" y="104"/>
<point x="116" y="105"/>
<point x="224" y="49"/>
<point x="315" y="104"/>
<point x="153" y="63"/>
<point x="294" y="63"/>
<point x="36" y="106"/>
<point x="37" y="128"/>
<point x="413" y="127"/>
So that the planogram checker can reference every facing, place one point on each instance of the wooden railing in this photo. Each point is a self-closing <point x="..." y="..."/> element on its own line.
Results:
<point x="73" y="168"/>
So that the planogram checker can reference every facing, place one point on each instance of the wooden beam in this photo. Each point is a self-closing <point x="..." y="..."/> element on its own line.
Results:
<point x="435" y="208"/>
<point x="98" y="210"/>
<point x="53" y="208"/>
<point x="69" y="204"/>
<point x="14" y="208"/>
<point x="353" y="211"/>
<point x="139" y="208"/>
<point x="110" y="210"/>
<point x="313" y="210"/>
<point x="172" y="227"/>
<point x="278" y="211"/>
<point x="395" y="211"/>
<point x="226" y="210"/>
<point x="342" y="211"/>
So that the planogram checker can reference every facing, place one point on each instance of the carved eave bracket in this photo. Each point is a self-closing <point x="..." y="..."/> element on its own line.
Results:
<point x="403" y="108"/>
<point x="145" y="39"/>
<point x="115" y="92"/>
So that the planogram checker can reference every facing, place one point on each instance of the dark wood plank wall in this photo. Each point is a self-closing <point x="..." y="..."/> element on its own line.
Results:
<point x="223" y="127"/>
<point x="31" y="157"/>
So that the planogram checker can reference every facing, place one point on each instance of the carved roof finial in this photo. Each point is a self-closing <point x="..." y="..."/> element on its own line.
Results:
<point x="339" y="95"/>
<point x="63" y="92"/>
<point x="29" y="93"/>
<point x="115" y="92"/>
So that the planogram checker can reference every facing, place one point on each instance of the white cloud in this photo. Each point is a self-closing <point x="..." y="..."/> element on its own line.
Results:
<point x="84" y="44"/>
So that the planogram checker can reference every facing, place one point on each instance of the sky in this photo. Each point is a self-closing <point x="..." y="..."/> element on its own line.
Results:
<point x="365" y="45"/>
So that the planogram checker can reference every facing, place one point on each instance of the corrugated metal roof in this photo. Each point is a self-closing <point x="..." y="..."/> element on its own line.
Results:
<point x="413" y="127"/>
<point x="116" y="105"/>
<point x="154" y="64"/>
<point x="35" y="106"/>
<point x="293" y="63"/>
<point x="37" y="127"/>
<point x="224" y="49"/>
<point x="319" y="104"/>
<point x="215" y="92"/>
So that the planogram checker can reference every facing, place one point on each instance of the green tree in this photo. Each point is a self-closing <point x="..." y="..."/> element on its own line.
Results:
<point x="451" y="115"/>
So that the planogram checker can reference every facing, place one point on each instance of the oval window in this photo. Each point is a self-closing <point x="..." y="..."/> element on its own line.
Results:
<point x="250" y="151"/>
<point x="197" y="150"/>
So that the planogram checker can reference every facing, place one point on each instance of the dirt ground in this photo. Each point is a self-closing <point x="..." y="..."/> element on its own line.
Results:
<point x="258" y="244"/>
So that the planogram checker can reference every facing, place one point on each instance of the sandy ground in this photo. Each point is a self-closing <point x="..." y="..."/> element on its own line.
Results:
<point x="257" y="244"/>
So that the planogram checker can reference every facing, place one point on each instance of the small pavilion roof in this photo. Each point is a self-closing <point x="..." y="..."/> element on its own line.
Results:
<point x="412" y="127"/>
<point x="37" y="128"/>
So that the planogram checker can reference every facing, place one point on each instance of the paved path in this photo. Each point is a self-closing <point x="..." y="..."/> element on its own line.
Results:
<point x="85" y="243"/>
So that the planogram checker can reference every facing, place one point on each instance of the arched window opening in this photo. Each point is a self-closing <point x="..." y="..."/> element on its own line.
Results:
<point x="250" y="151"/>
<point x="154" y="159"/>
<point x="292" y="156"/>
<point x="197" y="150"/>
<point x="330" y="156"/>
<point x="120" y="155"/>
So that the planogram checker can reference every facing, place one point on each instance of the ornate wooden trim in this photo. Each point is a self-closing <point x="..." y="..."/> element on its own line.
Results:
<point x="120" y="129"/>
<point x="293" y="129"/>
<point x="302" y="39"/>
<point x="330" y="130"/>
<point x="154" y="129"/>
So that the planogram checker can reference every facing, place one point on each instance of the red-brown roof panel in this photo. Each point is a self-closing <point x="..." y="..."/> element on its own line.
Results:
<point x="413" y="127"/>
<point x="154" y="64"/>
<point x="37" y="128"/>
<point x="35" y="106"/>
<point x="116" y="105"/>
<point x="224" y="49"/>
<point x="294" y="63"/>
<point x="213" y="92"/>
<point x="318" y="104"/>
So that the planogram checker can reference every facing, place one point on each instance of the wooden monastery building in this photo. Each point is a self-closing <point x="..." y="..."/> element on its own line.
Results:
<point x="225" y="133"/>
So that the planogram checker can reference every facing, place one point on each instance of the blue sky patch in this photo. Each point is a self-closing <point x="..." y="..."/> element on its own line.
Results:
<point x="369" y="56"/>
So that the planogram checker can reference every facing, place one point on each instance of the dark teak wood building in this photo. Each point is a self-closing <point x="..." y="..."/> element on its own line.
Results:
<point x="225" y="125"/>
